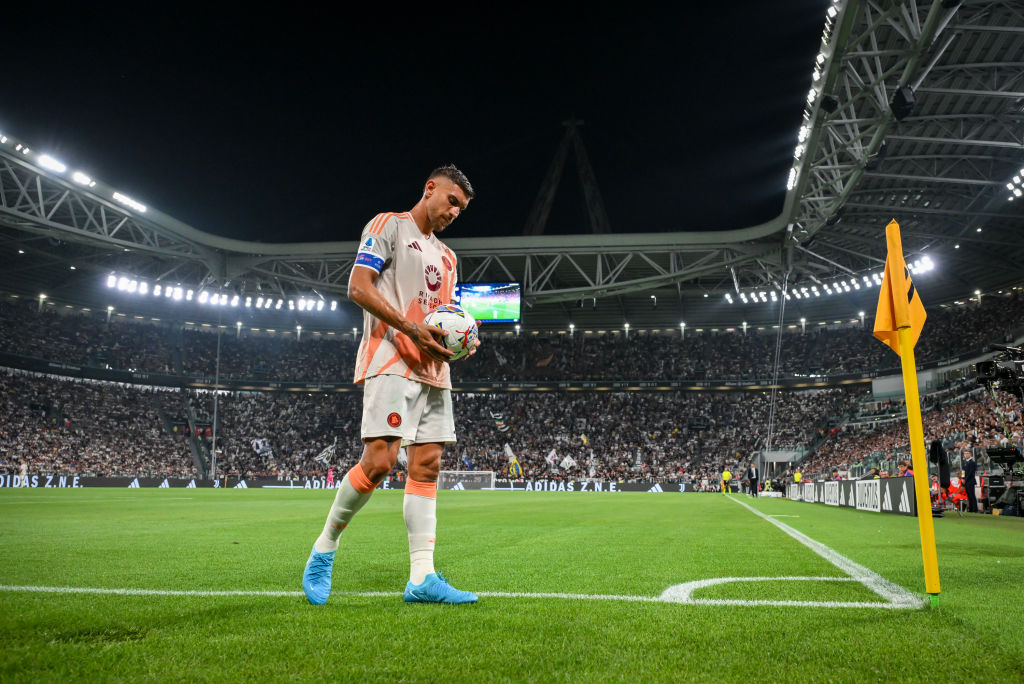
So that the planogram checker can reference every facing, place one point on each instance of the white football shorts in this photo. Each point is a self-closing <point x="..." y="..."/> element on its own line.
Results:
<point x="395" y="406"/>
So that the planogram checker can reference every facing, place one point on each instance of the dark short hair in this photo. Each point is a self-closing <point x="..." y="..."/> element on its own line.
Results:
<point x="452" y="173"/>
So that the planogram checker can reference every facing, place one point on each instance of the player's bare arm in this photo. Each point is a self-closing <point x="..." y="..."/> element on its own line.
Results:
<point x="361" y="290"/>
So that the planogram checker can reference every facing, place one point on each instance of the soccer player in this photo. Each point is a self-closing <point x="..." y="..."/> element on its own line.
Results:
<point x="401" y="272"/>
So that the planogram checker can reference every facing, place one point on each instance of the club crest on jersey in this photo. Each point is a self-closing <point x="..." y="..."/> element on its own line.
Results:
<point x="432" y="274"/>
<point x="447" y="264"/>
<point x="394" y="420"/>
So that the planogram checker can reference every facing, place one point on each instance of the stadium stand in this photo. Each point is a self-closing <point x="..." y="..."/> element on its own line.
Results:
<point x="106" y="429"/>
<point x="87" y="339"/>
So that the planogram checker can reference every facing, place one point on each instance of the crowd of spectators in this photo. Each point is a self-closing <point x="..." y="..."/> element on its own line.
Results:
<point x="89" y="339"/>
<point x="104" y="429"/>
<point x="971" y="420"/>
<point x="58" y="426"/>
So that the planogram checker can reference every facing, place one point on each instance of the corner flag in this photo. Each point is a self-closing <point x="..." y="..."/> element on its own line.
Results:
<point x="899" y="304"/>
<point x="898" y="322"/>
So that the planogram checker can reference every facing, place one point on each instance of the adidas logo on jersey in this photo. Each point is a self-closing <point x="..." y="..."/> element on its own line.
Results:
<point x="459" y="485"/>
<point x="414" y="245"/>
<point x="656" y="488"/>
<point x="134" y="484"/>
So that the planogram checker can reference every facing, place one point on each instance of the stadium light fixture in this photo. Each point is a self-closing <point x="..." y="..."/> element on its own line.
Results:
<point x="143" y="287"/>
<point x="572" y="328"/>
<point x="188" y="295"/>
<point x="204" y="296"/>
<point x="82" y="179"/>
<point x="130" y="203"/>
<point x="248" y="302"/>
<point x="334" y="305"/>
<point x="51" y="164"/>
<point x="860" y="314"/>
<point x="279" y="303"/>
<point x="803" y="325"/>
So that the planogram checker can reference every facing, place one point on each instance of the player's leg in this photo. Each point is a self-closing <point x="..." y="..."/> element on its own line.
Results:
<point x="419" y="507"/>
<point x="385" y="401"/>
<point x="357" y="486"/>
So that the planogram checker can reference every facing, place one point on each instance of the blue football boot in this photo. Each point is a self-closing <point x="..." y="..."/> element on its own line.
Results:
<point x="435" y="589"/>
<point x="316" y="580"/>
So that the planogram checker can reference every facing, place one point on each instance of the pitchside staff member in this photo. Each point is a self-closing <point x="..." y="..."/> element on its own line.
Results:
<point x="401" y="272"/>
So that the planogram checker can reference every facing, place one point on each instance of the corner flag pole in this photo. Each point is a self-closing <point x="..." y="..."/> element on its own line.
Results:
<point x="906" y="317"/>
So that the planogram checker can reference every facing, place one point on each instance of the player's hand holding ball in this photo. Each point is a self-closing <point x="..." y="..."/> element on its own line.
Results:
<point x="460" y="334"/>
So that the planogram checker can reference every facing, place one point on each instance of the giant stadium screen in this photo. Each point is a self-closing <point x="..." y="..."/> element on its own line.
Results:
<point x="490" y="302"/>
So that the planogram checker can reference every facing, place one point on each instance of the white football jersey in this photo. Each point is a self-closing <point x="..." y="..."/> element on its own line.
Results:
<point x="416" y="274"/>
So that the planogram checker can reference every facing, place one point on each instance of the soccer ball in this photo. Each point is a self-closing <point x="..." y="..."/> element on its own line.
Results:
<point x="459" y="328"/>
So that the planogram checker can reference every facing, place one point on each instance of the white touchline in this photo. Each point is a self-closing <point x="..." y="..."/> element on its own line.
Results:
<point x="890" y="591"/>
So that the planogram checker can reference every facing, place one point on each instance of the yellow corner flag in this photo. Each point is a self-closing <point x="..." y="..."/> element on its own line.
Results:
<point x="898" y="322"/>
<point x="905" y="310"/>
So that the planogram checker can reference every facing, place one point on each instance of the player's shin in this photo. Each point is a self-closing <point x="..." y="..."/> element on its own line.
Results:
<point x="420" y="510"/>
<point x="354" y="491"/>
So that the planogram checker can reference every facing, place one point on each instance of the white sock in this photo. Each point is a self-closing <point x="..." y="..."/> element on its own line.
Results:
<point x="347" y="503"/>
<point x="421" y="521"/>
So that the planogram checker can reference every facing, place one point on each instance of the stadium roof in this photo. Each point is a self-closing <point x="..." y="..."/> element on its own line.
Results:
<point x="915" y="112"/>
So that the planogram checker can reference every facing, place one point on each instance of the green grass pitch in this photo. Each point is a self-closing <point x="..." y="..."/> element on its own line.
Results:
<point x="484" y="310"/>
<point x="631" y="546"/>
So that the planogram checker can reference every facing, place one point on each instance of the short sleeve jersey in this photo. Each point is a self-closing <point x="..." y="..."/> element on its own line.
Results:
<point x="416" y="274"/>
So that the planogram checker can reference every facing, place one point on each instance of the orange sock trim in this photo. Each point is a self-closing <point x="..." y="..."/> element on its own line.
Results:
<point x="427" y="489"/>
<point x="357" y="478"/>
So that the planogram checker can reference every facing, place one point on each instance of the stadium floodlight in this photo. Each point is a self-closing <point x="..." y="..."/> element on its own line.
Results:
<point x="203" y="296"/>
<point x="234" y="301"/>
<point x="291" y="304"/>
<point x="279" y="303"/>
<point x="791" y="181"/>
<point x="856" y="285"/>
<point x="334" y="305"/>
<point x="110" y="308"/>
<point x="248" y="302"/>
<point x="259" y="302"/>
<point x="224" y="300"/>
<point x="129" y="202"/>
<point x="157" y="290"/>
<point x="320" y="305"/>
<point x="51" y="164"/>
<point x="143" y="287"/>
<point x="111" y="280"/>
<point x="188" y="295"/>
<point x="302" y="304"/>
<point x="82" y="179"/>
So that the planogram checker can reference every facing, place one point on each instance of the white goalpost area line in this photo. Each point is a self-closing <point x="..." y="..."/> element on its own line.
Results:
<point x="893" y="594"/>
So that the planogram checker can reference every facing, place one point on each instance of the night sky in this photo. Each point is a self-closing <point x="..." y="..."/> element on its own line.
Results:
<point x="292" y="127"/>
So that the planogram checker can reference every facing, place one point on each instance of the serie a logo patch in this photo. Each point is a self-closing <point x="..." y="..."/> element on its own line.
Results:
<point x="394" y="420"/>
